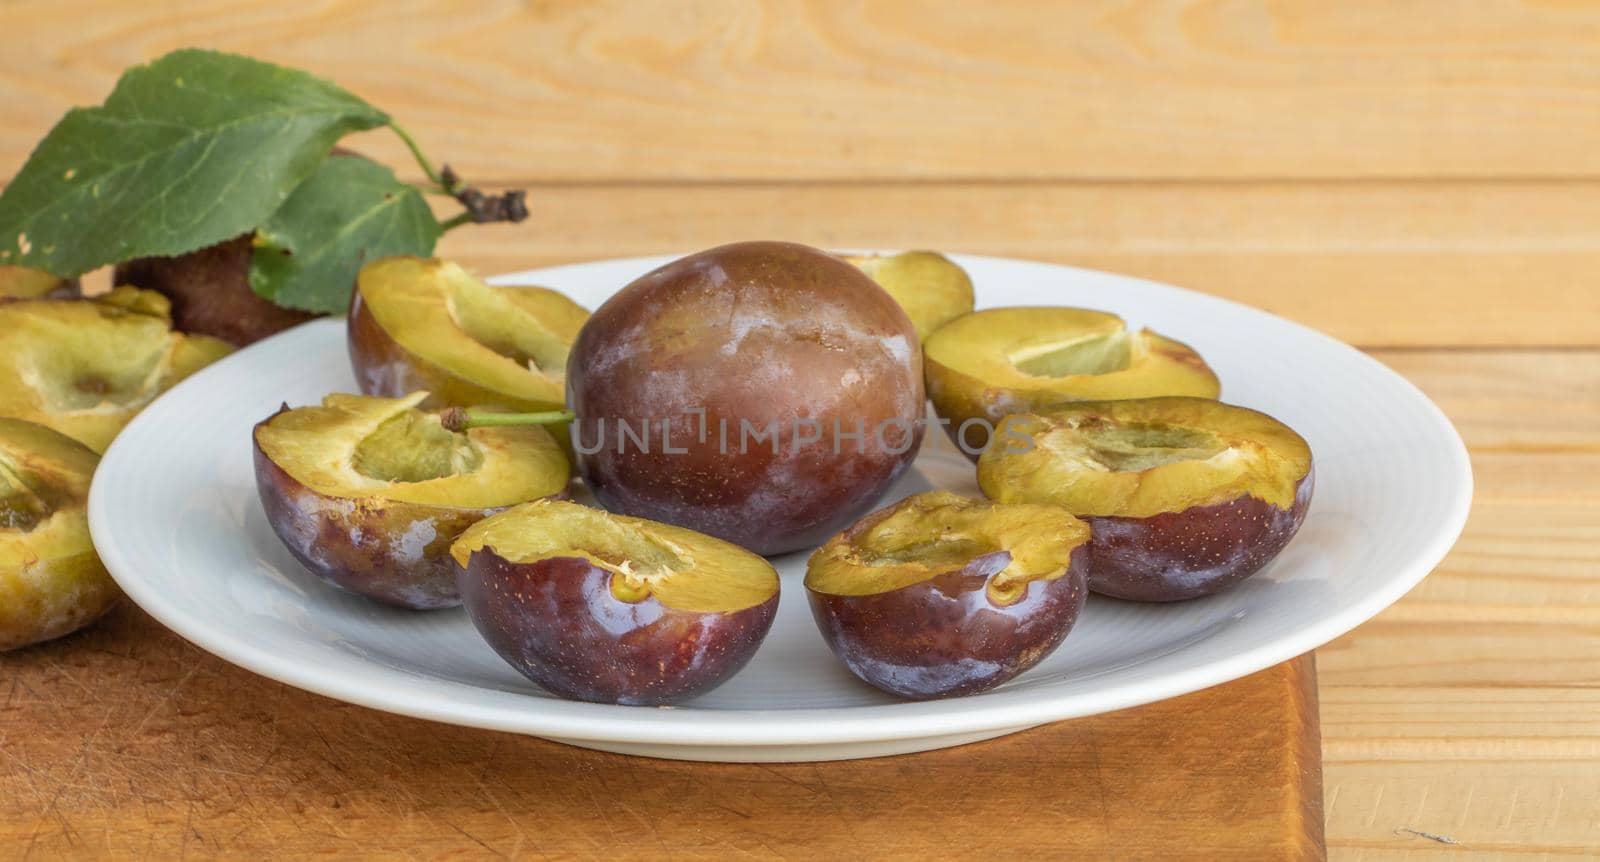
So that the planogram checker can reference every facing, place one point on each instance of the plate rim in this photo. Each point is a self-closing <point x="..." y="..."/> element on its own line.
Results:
<point x="686" y="726"/>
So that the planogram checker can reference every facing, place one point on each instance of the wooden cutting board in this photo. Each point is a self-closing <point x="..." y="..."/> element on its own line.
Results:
<point x="127" y="741"/>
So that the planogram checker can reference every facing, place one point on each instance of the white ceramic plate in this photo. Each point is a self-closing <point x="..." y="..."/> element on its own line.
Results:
<point x="174" y="514"/>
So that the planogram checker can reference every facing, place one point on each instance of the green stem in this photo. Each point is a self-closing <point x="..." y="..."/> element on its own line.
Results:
<point x="422" y="159"/>
<point x="461" y="419"/>
<point x="455" y="221"/>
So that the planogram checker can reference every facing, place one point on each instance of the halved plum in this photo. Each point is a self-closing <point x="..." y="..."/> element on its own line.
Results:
<point x="613" y="609"/>
<point x="368" y="493"/>
<point x="85" y="367"/>
<point x="985" y="365"/>
<point x="941" y="595"/>
<point x="51" y="581"/>
<point x="1186" y="496"/>
<point x="419" y="324"/>
<point x="930" y="287"/>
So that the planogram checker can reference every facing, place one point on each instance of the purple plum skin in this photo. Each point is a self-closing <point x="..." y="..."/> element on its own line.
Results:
<point x="1197" y="552"/>
<point x="753" y="334"/>
<point x="943" y="637"/>
<point x="391" y="552"/>
<point x="558" y="623"/>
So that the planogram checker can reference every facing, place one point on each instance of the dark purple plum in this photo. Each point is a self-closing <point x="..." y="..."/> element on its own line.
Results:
<point x="940" y="595"/>
<point x="1185" y="496"/>
<point x="773" y="393"/>
<point x="612" y="609"/>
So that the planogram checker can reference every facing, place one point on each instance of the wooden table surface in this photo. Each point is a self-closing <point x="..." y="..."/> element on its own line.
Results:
<point x="1420" y="179"/>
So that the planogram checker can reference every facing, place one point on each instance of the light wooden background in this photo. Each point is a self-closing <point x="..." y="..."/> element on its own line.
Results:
<point x="1419" y="178"/>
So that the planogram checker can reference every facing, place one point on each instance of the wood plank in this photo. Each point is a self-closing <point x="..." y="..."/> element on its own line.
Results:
<point x="897" y="88"/>
<point x="1502" y="810"/>
<point x="1512" y="401"/>
<point x="1469" y="709"/>
<point x="127" y="741"/>
<point x="1331" y="255"/>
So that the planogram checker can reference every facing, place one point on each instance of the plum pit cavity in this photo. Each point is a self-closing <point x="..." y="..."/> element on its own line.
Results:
<point x="1100" y="353"/>
<point x="414" y="447"/>
<point x="1134" y="448"/>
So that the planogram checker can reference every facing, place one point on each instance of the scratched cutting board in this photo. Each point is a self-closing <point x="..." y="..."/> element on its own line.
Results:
<point x="125" y="740"/>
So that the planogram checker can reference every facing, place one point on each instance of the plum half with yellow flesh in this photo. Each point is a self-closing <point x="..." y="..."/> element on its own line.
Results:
<point x="941" y="595"/>
<point x="368" y="493"/>
<point x="991" y="363"/>
<point x="1186" y="496"/>
<point x="930" y="287"/>
<point x="85" y="367"/>
<point x="612" y="609"/>
<point x="418" y="324"/>
<point x="19" y="282"/>
<point x="51" y="582"/>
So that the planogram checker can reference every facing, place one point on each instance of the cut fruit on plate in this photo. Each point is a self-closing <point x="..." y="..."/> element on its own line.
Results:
<point x="991" y="363"/>
<point x="931" y="288"/>
<point x="418" y="324"/>
<point x="368" y="493"/>
<point x="607" y="608"/>
<point x="942" y="595"/>
<point x="1186" y="496"/>
<point x="175" y="517"/>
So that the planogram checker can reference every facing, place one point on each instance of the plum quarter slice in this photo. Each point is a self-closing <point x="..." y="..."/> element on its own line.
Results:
<point x="418" y="324"/>
<point x="941" y="595"/>
<point x="930" y="287"/>
<point x="613" y="609"/>
<point x="85" y="367"/>
<point x="1185" y="496"/>
<point x="51" y="581"/>
<point x="985" y="365"/>
<point x="368" y="493"/>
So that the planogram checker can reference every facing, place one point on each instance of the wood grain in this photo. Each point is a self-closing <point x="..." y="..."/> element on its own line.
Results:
<point x="1405" y="175"/>
<point x="895" y="88"/>
<point x="125" y="741"/>
<point x="1333" y="256"/>
<point x="1470" y="709"/>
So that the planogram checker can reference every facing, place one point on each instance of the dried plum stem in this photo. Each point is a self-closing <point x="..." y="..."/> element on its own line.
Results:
<point x="510" y="206"/>
<point x="460" y="419"/>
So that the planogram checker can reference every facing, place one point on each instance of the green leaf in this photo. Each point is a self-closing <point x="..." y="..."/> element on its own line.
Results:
<point x="192" y="149"/>
<point x="349" y="212"/>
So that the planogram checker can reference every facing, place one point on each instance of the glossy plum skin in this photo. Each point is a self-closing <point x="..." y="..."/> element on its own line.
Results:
<point x="558" y="623"/>
<point x="1196" y="552"/>
<point x="765" y="333"/>
<point x="393" y="552"/>
<point x="943" y="637"/>
<point x="383" y="367"/>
